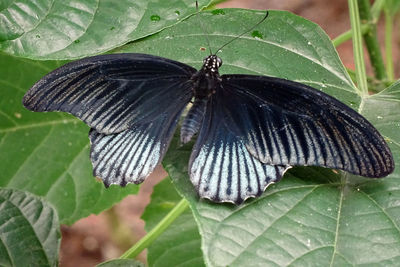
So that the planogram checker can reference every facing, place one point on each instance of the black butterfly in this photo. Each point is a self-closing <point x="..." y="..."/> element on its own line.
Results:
<point x="250" y="129"/>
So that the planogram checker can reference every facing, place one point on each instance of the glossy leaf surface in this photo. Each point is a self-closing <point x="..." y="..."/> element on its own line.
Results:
<point x="56" y="29"/>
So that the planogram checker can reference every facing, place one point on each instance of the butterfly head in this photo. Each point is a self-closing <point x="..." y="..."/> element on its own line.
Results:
<point x="212" y="63"/>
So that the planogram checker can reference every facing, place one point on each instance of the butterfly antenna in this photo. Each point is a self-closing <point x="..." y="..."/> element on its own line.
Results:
<point x="206" y="34"/>
<point x="240" y="35"/>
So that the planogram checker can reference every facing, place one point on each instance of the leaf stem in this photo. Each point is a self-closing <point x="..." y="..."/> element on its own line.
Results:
<point x="371" y="40"/>
<point x="376" y="10"/>
<point x="347" y="35"/>
<point x="156" y="231"/>
<point x="388" y="45"/>
<point x="358" y="48"/>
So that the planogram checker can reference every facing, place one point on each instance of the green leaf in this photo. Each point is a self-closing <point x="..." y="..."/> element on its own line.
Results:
<point x="56" y="29"/>
<point x="285" y="46"/>
<point x="314" y="216"/>
<point x="121" y="263"/>
<point x="179" y="245"/>
<point x="29" y="230"/>
<point x="47" y="153"/>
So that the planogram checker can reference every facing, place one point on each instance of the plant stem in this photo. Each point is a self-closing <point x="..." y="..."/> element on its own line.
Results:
<point x="156" y="231"/>
<point x="358" y="49"/>
<point x="388" y="45"/>
<point x="376" y="10"/>
<point x="371" y="41"/>
<point x="374" y="86"/>
<point x="347" y="35"/>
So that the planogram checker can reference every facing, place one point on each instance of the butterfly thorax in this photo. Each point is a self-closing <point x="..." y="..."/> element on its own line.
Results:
<point x="205" y="82"/>
<point x="206" y="79"/>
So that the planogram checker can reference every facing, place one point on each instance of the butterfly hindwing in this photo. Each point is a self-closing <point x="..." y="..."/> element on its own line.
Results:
<point x="221" y="168"/>
<point x="131" y="155"/>
<point x="288" y="123"/>
<point x="112" y="92"/>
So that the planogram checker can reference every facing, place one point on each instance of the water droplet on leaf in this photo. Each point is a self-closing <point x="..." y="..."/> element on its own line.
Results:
<point x="155" y="18"/>
<point x="257" y="35"/>
<point x="218" y="12"/>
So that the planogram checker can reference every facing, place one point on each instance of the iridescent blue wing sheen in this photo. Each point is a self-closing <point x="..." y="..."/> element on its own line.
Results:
<point x="220" y="167"/>
<point x="288" y="123"/>
<point x="111" y="93"/>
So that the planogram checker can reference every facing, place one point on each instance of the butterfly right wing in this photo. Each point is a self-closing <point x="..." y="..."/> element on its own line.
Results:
<point x="111" y="93"/>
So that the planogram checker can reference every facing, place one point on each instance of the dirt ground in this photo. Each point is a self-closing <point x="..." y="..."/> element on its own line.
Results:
<point x="90" y="240"/>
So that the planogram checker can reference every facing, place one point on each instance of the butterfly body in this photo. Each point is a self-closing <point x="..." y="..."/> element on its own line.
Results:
<point x="204" y="83"/>
<point x="250" y="129"/>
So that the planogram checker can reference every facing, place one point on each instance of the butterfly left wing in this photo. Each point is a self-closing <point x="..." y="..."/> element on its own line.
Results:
<point x="220" y="167"/>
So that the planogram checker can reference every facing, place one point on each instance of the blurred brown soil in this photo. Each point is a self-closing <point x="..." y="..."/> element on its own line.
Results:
<point x="105" y="236"/>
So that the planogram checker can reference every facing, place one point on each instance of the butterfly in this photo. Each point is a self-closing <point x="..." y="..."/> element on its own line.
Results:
<point x="250" y="129"/>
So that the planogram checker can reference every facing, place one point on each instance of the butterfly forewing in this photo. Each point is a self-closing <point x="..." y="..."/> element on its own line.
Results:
<point x="111" y="93"/>
<point x="288" y="123"/>
<point x="221" y="168"/>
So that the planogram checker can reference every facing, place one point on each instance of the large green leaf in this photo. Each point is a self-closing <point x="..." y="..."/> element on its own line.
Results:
<point x="179" y="245"/>
<point x="56" y="29"/>
<point x="29" y="230"/>
<point x="47" y="154"/>
<point x="314" y="216"/>
<point x="285" y="46"/>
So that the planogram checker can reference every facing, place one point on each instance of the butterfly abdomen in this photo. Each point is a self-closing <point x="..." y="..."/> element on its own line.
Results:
<point x="194" y="118"/>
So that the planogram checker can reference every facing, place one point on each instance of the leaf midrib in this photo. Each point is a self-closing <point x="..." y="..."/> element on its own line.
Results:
<point x="36" y="125"/>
